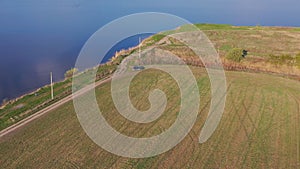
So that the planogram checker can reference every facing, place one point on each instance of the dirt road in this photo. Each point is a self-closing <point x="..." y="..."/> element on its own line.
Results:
<point x="50" y="108"/>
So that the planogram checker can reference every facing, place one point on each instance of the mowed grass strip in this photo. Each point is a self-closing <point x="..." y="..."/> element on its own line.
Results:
<point x="258" y="129"/>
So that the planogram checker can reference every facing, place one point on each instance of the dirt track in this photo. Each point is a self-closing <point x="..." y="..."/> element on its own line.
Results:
<point x="51" y="107"/>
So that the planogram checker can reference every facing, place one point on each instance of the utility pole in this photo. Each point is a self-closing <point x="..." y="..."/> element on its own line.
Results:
<point x="51" y="79"/>
<point x="140" y="50"/>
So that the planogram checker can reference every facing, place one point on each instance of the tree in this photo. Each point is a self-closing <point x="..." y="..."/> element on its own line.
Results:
<point x="235" y="54"/>
<point x="70" y="73"/>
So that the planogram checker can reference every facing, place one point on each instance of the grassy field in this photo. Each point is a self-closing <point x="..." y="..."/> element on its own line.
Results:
<point x="260" y="42"/>
<point x="259" y="129"/>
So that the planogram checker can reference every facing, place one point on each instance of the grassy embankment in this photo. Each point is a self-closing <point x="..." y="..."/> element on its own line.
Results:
<point x="27" y="105"/>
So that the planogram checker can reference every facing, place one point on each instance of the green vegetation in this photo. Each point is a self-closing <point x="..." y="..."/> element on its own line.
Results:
<point x="70" y="73"/>
<point x="154" y="39"/>
<point x="296" y="29"/>
<point x="207" y="26"/>
<point x="225" y="48"/>
<point x="260" y="41"/>
<point x="297" y="60"/>
<point x="29" y="104"/>
<point x="283" y="60"/>
<point x="259" y="129"/>
<point x="269" y="47"/>
<point x="235" y="54"/>
<point x="157" y="37"/>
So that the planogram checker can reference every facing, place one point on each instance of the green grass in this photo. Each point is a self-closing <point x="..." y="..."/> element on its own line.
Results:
<point x="259" y="41"/>
<point x="206" y="26"/>
<point x="31" y="103"/>
<point x="12" y="113"/>
<point x="295" y="29"/>
<point x="154" y="39"/>
<point x="259" y="128"/>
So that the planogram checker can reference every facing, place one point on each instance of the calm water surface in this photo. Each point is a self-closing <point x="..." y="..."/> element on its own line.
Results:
<point x="39" y="36"/>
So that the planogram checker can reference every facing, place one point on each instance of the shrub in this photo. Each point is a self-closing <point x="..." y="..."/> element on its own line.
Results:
<point x="297" y="58"/>
<point x="235" y="54"/>
<point x="283" y="59"/>
<point x="275" y="60"/>
<point x="287" y="59"/>
<point x="70" y="73"/>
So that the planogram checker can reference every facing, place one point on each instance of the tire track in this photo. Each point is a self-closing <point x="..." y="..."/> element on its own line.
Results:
<point x="213" y="145"/>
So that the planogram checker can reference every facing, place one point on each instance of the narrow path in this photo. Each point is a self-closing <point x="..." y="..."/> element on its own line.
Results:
<point x="50" y="108"/>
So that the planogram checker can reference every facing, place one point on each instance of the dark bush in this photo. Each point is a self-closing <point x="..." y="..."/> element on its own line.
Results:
<point x="235" y="54"/>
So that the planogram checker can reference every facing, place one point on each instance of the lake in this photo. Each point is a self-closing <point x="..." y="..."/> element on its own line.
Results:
<point x="23" y="74"/>
<point x="37" y="37"/>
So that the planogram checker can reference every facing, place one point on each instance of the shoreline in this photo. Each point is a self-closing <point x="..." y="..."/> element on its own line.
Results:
<point x="117" y="54"/>
<point x="122" y="51"/>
